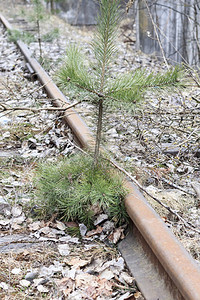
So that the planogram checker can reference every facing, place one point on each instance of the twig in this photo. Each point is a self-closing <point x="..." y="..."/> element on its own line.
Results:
<point x="123" y="287"/>
<point x="28" y="242"/>
<point x="156" y="32"/>
<point x="187" y="139"/>
<point x="171" y="184"/>
<point x="41" y="87"/>
<point x="196" y="187"/>
<point x="129" y="5"/>
<point x="5" y="108"/>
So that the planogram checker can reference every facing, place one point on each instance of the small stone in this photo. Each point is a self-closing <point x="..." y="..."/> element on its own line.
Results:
<point x="120" y="263"/>
<point x="39" y="281"/>
<point x="5" y="222"/>
<point x="112" y="132"/>
<point x="108" y="226"/>
<point x="127" y="278"/>
<point x="83" y="229"/>
<point x="4" y="120"/>
<point x="16" y="271"/>
<point x="64" y="249"/>
<point x="4" y="286"/>
<point x="6" y="134"/>
<point x="16" y="211"/>
<point x="31" y="275"/>
<point x="7" y="212"/>
<point x="24" y="282"/>
<point x="42" y="289"/>
<point x="100" y="219"/>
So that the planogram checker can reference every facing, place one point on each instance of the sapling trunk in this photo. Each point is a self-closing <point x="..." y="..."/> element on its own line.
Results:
<point x="103" y="47"/>
<point x="39" y="38"/>
<point x="98" y="132"/>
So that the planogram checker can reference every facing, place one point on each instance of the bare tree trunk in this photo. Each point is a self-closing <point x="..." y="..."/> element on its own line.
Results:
<point x="169" y="27"/>
<point x="52" y="6"/>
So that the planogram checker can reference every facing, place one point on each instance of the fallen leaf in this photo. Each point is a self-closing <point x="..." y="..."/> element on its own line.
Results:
<point x="98" y="230"/>
<point x="15" y="226"/>
<point x="105" y="287"/>
<point x="19" y="220"/>
<point x="77" y="262"/>
<point x="67" y="292"/>
<point x="107" y="274"/>
<point x="137" y="295"/>
<point x="116" y="265"/>
<point x="71" y="224"/>
<point x="116" y="235"/>
<point x="85" y="279"/>
<point x="60" y="225"/>
<point x="66" y="285"/>
<point x="34" y="226"/>
<point x="25" y="255"/>
<point x="96" y="209"/>
<point x="90" y="292"/>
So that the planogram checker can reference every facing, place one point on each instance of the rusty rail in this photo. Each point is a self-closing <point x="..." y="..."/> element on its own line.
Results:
<point x="162" y="267"/>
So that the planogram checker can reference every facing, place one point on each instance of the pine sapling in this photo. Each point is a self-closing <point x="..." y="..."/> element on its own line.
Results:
<point x="38" y="16"/>
<point x="98" y="80"/>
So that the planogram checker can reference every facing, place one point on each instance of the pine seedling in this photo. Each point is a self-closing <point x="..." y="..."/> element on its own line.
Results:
<point x="98" y="80"/>
<point x="71" y="188"/>
<point x="37" y="16"/>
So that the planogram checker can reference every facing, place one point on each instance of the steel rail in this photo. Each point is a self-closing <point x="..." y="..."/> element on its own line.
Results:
<point x="162" y="267"/>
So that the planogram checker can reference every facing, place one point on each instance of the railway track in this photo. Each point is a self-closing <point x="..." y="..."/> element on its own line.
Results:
<point x="161" y="266"/>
